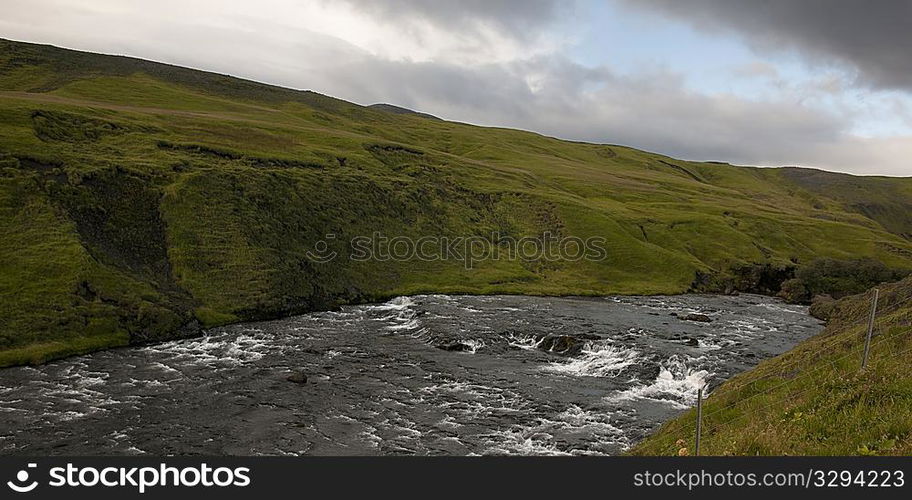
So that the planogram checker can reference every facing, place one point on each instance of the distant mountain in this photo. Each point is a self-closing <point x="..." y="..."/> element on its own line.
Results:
<point x="389" y="108"/>
<point x="881" y="199"/>
<point x="141" y="201"/>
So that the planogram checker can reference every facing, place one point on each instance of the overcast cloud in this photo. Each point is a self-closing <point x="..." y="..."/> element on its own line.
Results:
<point x="512" y="64"/>
<point x="872" y="36"/>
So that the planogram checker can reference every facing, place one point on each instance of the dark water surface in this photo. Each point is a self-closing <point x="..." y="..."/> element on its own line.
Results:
<point x="430" y="374"/>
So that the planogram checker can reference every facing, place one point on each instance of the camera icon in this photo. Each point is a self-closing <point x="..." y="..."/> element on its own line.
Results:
<point x="21" y="485"/>
<point x="321" y="253"/>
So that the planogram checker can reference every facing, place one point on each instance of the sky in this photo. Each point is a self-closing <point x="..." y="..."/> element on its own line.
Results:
<point x="816" y="83"/>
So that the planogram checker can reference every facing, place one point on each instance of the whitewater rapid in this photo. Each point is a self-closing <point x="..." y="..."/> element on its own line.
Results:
<point x="430" y="374"/>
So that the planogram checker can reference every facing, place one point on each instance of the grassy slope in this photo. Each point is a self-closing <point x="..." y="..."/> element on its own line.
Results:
<point x="141" y="200"/>
<point x="814" y="399"/>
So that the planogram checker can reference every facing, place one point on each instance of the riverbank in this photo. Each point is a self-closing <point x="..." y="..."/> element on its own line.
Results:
<point x="41" y="353"/>
<point x="815" y="399"/>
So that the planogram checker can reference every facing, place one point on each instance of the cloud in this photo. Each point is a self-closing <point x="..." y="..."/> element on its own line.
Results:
<point x="365" y="52"/>
<point x="756" y="69"/>
<point x="653" y="111"/>
<point x="466" y="32"/>
<point x="522" y="21"/>
<point x="872" y="37"/>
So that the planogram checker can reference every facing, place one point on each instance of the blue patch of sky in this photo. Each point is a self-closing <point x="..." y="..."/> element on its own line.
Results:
<point x="631" y="41"/>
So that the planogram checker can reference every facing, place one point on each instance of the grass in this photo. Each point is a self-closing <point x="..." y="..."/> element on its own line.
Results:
<point x="147" y="200"/>
<point x="815" y="399"/>
<point x="38" y="353"/>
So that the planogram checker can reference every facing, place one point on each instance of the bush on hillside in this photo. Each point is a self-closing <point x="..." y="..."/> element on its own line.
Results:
<point x="822" y="307"/>
<point x="794" y="291"/>
<point x="837" y="278"/>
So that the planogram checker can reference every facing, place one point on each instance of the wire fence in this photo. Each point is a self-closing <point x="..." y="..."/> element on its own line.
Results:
<point x="793" y="376"/>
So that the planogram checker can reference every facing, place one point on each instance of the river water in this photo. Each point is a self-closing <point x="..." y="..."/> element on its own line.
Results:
<point x="431" y="374"/>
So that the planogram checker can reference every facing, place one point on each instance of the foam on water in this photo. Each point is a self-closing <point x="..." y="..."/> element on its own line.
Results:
<point x="676" y="384"/>
<point x="473" y="345"/>
<point x="590" y="430"/>
<point x="523" y="341"/>
<point x="397" y="304"/>
<point x="215" y="350"/>
<point x="598" y="359"/>
<point x="522" y="442"/>
<point x="403" y="317"/>
<point x="783" y="308"/>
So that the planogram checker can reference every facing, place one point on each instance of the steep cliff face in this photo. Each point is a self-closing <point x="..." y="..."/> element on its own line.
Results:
<point x="140" y="201"/>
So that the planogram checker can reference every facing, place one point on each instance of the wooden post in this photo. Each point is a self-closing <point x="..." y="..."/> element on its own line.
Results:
<point x="867" y="347"/>
<point x="699" y="420"/>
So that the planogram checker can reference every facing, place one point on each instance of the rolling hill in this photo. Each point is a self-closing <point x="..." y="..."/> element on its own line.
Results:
<point x="141" y="201"/>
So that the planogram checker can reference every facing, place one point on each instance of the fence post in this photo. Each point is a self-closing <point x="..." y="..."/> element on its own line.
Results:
<point x="699" y="420"/>
<point x="867" y="347"/>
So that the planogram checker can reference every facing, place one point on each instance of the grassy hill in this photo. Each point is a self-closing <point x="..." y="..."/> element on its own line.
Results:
<point x="389" y="108"/>
<point x="141" y="201"/>
<point x="814" y="399"/>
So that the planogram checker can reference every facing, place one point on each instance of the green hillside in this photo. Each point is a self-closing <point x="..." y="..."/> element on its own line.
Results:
<point x="815" y="399"/>
<point x="140" y="201"/>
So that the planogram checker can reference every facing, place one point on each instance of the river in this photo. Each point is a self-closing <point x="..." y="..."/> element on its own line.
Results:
<point x="429" y="374"/>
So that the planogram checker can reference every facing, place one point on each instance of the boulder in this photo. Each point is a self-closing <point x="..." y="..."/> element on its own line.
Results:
<point x="297" y="377"/>
<point x="455" y="346"/>
<point x="702" y="318"/>
<point x="567" y="345"/>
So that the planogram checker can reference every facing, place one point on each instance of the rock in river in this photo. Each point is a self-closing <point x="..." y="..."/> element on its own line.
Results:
<point x="455" y="346"/>
<point x="702" y="318"/>
<point x="568" y="345"/>
<point x="297" y="377"/>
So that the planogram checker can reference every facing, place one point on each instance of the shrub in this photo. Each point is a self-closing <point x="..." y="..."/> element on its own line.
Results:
<point x="840" y="278"/>
<point x="795" y="291"/>
<point x="822" y="307"/>
<point x="837" y="278"/>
